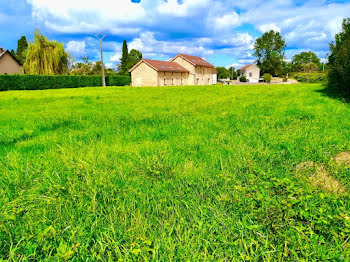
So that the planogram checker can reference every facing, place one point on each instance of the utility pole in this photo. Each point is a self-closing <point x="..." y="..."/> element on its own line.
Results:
<point x="100" y="38"/>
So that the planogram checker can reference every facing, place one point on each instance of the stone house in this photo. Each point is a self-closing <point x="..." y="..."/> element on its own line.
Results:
<point x="9" y="65"/>
<point x="251" y="72"/>
<point x="181" y="70"/>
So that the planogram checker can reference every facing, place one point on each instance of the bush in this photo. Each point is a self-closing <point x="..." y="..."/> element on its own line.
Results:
<point x="316" y="77"/>
<point x="117" y="80"/>
<point x="243" y="79"/>
<point x="338" y="61"/>
<point x="39" y="82"/>
<point x="267" y="77"/>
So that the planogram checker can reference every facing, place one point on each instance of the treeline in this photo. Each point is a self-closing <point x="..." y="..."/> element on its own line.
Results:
<point x="272" y="61"/>
<point x="45" y="57"/>
<point x="269" y="50"/>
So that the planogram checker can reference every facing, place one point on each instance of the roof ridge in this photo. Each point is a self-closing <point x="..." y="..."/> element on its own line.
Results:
<point x="159" y="65"/>
<point x="195" y="60"/>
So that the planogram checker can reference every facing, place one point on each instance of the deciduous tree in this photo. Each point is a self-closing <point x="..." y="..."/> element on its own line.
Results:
<point x="133" y="58"/>
<point x="339" y="60"/>
<point x="233" y="73"/>
<point x="223" y="73"/>
<point x="45" y="57"/>
<point x="270" y="52"/>
<point x="305" y="61"/>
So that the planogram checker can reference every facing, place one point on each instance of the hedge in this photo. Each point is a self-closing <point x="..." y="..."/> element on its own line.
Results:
<point x="39" y="82"/>
<point x="316" y="77"/>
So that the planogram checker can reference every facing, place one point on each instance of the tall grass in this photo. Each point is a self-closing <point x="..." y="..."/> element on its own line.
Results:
<point x="172" y="173"/>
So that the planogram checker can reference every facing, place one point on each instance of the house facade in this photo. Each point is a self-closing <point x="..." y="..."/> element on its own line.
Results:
<point x="9" y="64"/>
<point x="251" y="72"/>
<point x="181" y="70"/>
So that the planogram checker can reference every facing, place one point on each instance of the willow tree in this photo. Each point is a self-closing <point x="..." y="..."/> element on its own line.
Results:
<point x="45" y="57"/>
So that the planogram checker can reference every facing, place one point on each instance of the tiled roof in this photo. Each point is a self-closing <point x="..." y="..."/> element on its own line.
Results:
<point x="246" y="67"/>
<point x="162" y="66"/>
<point x="214" y="70"/>
<point x="195" y="60"/>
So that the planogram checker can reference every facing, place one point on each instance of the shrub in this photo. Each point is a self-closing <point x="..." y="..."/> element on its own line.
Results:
<point x="338" y="61"/>
<point x="267" y="78"/>
<point x="39" y="82"/>
<point x="243" y="79"/>
<point x="316" y="77"/>
<point x="117" y="80"/>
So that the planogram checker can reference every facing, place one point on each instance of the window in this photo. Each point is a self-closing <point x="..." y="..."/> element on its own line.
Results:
<point x="182" y="81"/>
<point x="172" y="80"/>
<point x="250" y="74"/>
<point x="164" y="81"/>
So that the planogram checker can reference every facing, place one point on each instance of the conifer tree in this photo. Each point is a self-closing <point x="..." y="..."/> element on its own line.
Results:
<point x="124" y="58"/>
<point x="22" y="46"/>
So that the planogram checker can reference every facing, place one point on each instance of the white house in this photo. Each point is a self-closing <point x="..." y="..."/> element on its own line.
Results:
<point x="251" y="72"/>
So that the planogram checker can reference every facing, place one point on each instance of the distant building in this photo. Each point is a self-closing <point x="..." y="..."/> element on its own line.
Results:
<point x="181" y="70"/>
<point x="251" y="72"/>
<point x="9" y="65"/>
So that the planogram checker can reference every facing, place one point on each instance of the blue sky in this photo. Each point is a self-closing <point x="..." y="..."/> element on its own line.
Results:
<point x="221" y="31"/>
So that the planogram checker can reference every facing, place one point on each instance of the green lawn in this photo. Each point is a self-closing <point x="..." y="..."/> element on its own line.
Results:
<point x="174" y="173"/>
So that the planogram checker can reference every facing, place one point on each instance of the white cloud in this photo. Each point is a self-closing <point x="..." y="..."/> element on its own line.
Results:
<point x="147" y="43"/>
<point x="76" y="47"/>
<point x="187" y="7"/>
<point x="201" y="27"/>
<point x="109" y="65"/>
<point x="228" y="20"/>
<point x="319" y="36"/>
<point x="269" y="27"/>
<point x="74" y="16"/>
<point x="116" y="57"/>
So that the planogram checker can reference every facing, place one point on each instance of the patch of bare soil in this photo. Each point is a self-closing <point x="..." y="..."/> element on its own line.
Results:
<point x="343" y="158"/>
<point x="319" y="177"/>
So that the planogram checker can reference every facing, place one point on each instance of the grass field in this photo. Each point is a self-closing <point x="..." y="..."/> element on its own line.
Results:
<point x="213" y="173"/>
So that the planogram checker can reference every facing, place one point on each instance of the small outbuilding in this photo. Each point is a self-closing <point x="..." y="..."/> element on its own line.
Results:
<point x="9" y="65"/>
<point x="251" y="72"/>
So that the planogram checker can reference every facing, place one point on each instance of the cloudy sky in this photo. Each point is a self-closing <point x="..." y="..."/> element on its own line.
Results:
<point x="221" y="31"/>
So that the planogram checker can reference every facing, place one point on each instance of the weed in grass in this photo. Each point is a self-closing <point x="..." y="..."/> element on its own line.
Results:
<point x="343" y="158"/>
<point x="319" y="177"/>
